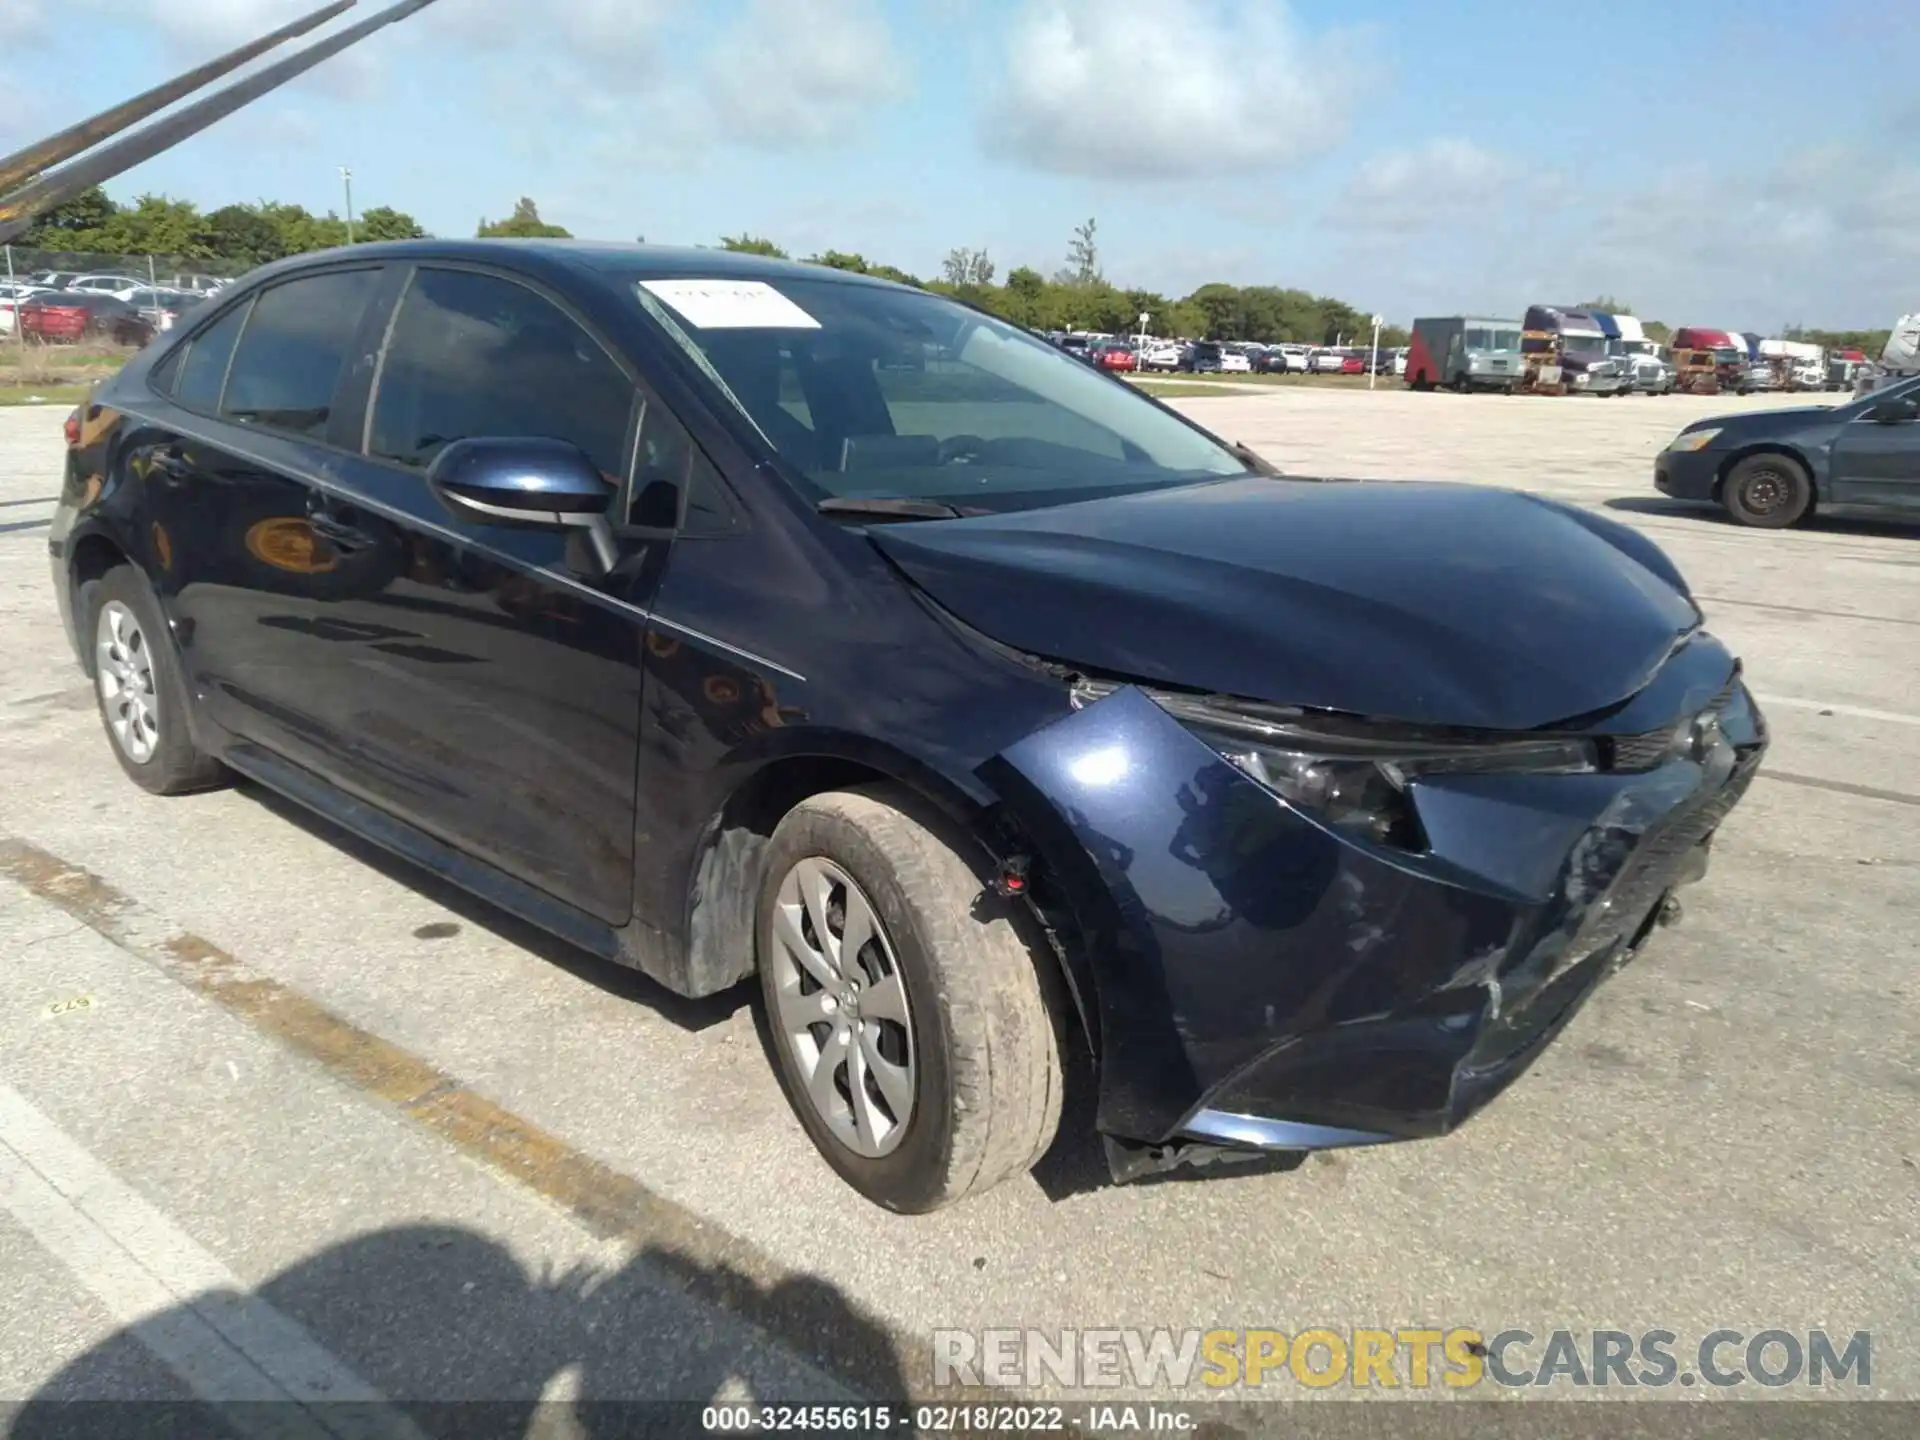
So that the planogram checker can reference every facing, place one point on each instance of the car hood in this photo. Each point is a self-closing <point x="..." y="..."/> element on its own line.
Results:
<point x="1744" y="424"/>
<point x="1431" y="603"/>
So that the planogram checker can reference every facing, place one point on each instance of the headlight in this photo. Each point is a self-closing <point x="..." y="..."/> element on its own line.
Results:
<point x="1352" y="774"/>
<point x="1693" y="440"/>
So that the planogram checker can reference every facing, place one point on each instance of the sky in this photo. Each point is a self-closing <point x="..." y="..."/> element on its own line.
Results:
<point x="1739" y="163"/>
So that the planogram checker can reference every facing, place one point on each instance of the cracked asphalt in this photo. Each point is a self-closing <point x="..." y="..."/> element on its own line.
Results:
<point x="359" y="1127"/>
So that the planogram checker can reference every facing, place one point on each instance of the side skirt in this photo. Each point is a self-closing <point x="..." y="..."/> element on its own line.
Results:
<point x="415" y="846"/>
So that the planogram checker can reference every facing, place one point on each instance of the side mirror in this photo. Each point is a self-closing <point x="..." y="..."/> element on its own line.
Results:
<point x="526" y="483"/>
<point x="1893" y="412"/>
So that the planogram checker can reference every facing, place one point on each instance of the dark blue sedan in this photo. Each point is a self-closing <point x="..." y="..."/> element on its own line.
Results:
<point x="738" y="619"/>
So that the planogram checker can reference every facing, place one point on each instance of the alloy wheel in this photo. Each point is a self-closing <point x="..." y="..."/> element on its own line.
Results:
<point x="842" y="1007"/>
<point x="123" y="670"/>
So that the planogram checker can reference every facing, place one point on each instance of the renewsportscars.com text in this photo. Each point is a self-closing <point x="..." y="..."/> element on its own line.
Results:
<point x="1452" y="1359"/>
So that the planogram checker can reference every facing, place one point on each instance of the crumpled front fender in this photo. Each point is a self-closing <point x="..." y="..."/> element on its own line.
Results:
<point x="1234" y="948"/>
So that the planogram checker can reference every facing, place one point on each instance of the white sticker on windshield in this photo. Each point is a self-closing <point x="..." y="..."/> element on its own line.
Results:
<point x="731" y="304"/>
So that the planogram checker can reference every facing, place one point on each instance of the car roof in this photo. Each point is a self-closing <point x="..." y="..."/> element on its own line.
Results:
<point x="589" y="257"/>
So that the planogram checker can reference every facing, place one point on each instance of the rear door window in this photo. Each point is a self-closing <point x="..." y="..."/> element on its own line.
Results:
<point x="295" y="349"/>
<point x="478" y="355"/>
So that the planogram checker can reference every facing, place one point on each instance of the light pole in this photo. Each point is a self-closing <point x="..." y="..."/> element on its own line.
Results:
<point x="346" y="179"/>
<point x="1373" y="361"/>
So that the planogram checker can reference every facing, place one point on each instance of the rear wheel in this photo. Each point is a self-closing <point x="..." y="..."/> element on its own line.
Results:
<point x="909" y="1024"/>
<point x="138" y="683"/>
<point x="1768" y="492"/>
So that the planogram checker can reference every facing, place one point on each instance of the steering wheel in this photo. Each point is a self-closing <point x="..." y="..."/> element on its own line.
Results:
<point x="959" y="449"/>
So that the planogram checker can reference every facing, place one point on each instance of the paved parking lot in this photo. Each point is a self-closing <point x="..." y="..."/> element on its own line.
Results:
<point x="309" y="1124"/>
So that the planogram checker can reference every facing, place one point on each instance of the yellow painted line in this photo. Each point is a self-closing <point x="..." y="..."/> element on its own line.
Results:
<point x="804" y="1312"/>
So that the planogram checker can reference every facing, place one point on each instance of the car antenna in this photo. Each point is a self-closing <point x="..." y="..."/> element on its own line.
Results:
<point x="47" y="188"/>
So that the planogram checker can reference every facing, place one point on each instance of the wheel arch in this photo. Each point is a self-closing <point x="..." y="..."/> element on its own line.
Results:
<point x="89" y="557"/>
<point x="724" y="884"/>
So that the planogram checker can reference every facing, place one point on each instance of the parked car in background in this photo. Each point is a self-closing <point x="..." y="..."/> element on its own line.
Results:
<point x="1319" y="808"/>
<point x="1352" y="362"/>
<point x="53" y="279"/>
<point x="11" y="296"/>
<point x="1773" y="468"/>
<point x="118" y="286"/>
<point x="66" y="317"/>
<point x="162" y="307"/>
<point x="1284" y="358"/>
<point x="1213" y="357"/>
<point x="1160" y="355"/>
<point x="1325" y="362"/>
<point x="1115" y="355"/>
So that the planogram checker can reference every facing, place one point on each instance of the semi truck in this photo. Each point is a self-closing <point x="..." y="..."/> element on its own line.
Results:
<point x="1708" y="362"/>
<point x="1565" y="353"/>
<point x="1648" y="370"/>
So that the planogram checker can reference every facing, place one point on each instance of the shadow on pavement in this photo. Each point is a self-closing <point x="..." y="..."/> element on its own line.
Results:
<point x="462" y="1341"/>
<point x="1877" y="527"/>
<point x="614" y="979"/>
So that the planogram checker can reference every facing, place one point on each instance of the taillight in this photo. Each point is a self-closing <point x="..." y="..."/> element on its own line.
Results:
<point x="73" y="430"/>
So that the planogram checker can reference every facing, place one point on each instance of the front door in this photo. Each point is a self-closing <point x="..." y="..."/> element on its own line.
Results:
<point x="491" y="684"/>
<point x="1877" y="462"/>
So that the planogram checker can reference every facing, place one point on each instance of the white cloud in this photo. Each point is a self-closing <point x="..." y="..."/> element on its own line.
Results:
<point x="22" y="21"/>
<point x="1165" y="89"/>
<point x="1445" y="174"/>
<point x="792" y="73"/>
<point x="1827" y="235"/>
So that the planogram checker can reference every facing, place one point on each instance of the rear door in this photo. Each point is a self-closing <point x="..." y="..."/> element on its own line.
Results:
<point x="262" y="399"/>
<point x="1877" y="462"/>
<point x="491" y="682"/>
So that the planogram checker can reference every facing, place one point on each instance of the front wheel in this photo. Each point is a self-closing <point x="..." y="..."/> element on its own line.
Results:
<point x="1768" y="492"/>
<point x="909" y="1022"/>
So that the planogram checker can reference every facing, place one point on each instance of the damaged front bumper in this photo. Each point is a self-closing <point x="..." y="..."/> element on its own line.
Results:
<point x="1257" y="981"/>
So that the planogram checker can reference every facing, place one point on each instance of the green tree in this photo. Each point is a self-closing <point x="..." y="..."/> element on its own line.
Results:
<point x="243" y="233"/>
<point x="1219" y="308"/>
<point x="525" y="223"/>
<point x="87" y="212"/>
<point x="1607" y="305"/>
<point x="840" y="260"/>
<point x="1083" y="255"/>
<point x="383" y="222"/>
<point x="964" y="266"/>
<point x="745" y="244"/>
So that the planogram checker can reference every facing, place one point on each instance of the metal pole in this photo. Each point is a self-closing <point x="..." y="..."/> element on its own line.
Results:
<point x="1373" y="361"/>
<point x="18" y="333"/>
<point x="346" y="178"/>
<point x="153" y="288"/>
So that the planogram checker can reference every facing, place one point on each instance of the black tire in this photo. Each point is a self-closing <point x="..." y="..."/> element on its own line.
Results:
<point x="987" y="1066"/>
<point x="1768" y="492"/>
<point x="168" y="762"/>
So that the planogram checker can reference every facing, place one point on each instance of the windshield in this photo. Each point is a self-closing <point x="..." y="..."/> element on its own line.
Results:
<point x="1483" y="338"/>
<point x="867" y="390"/>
